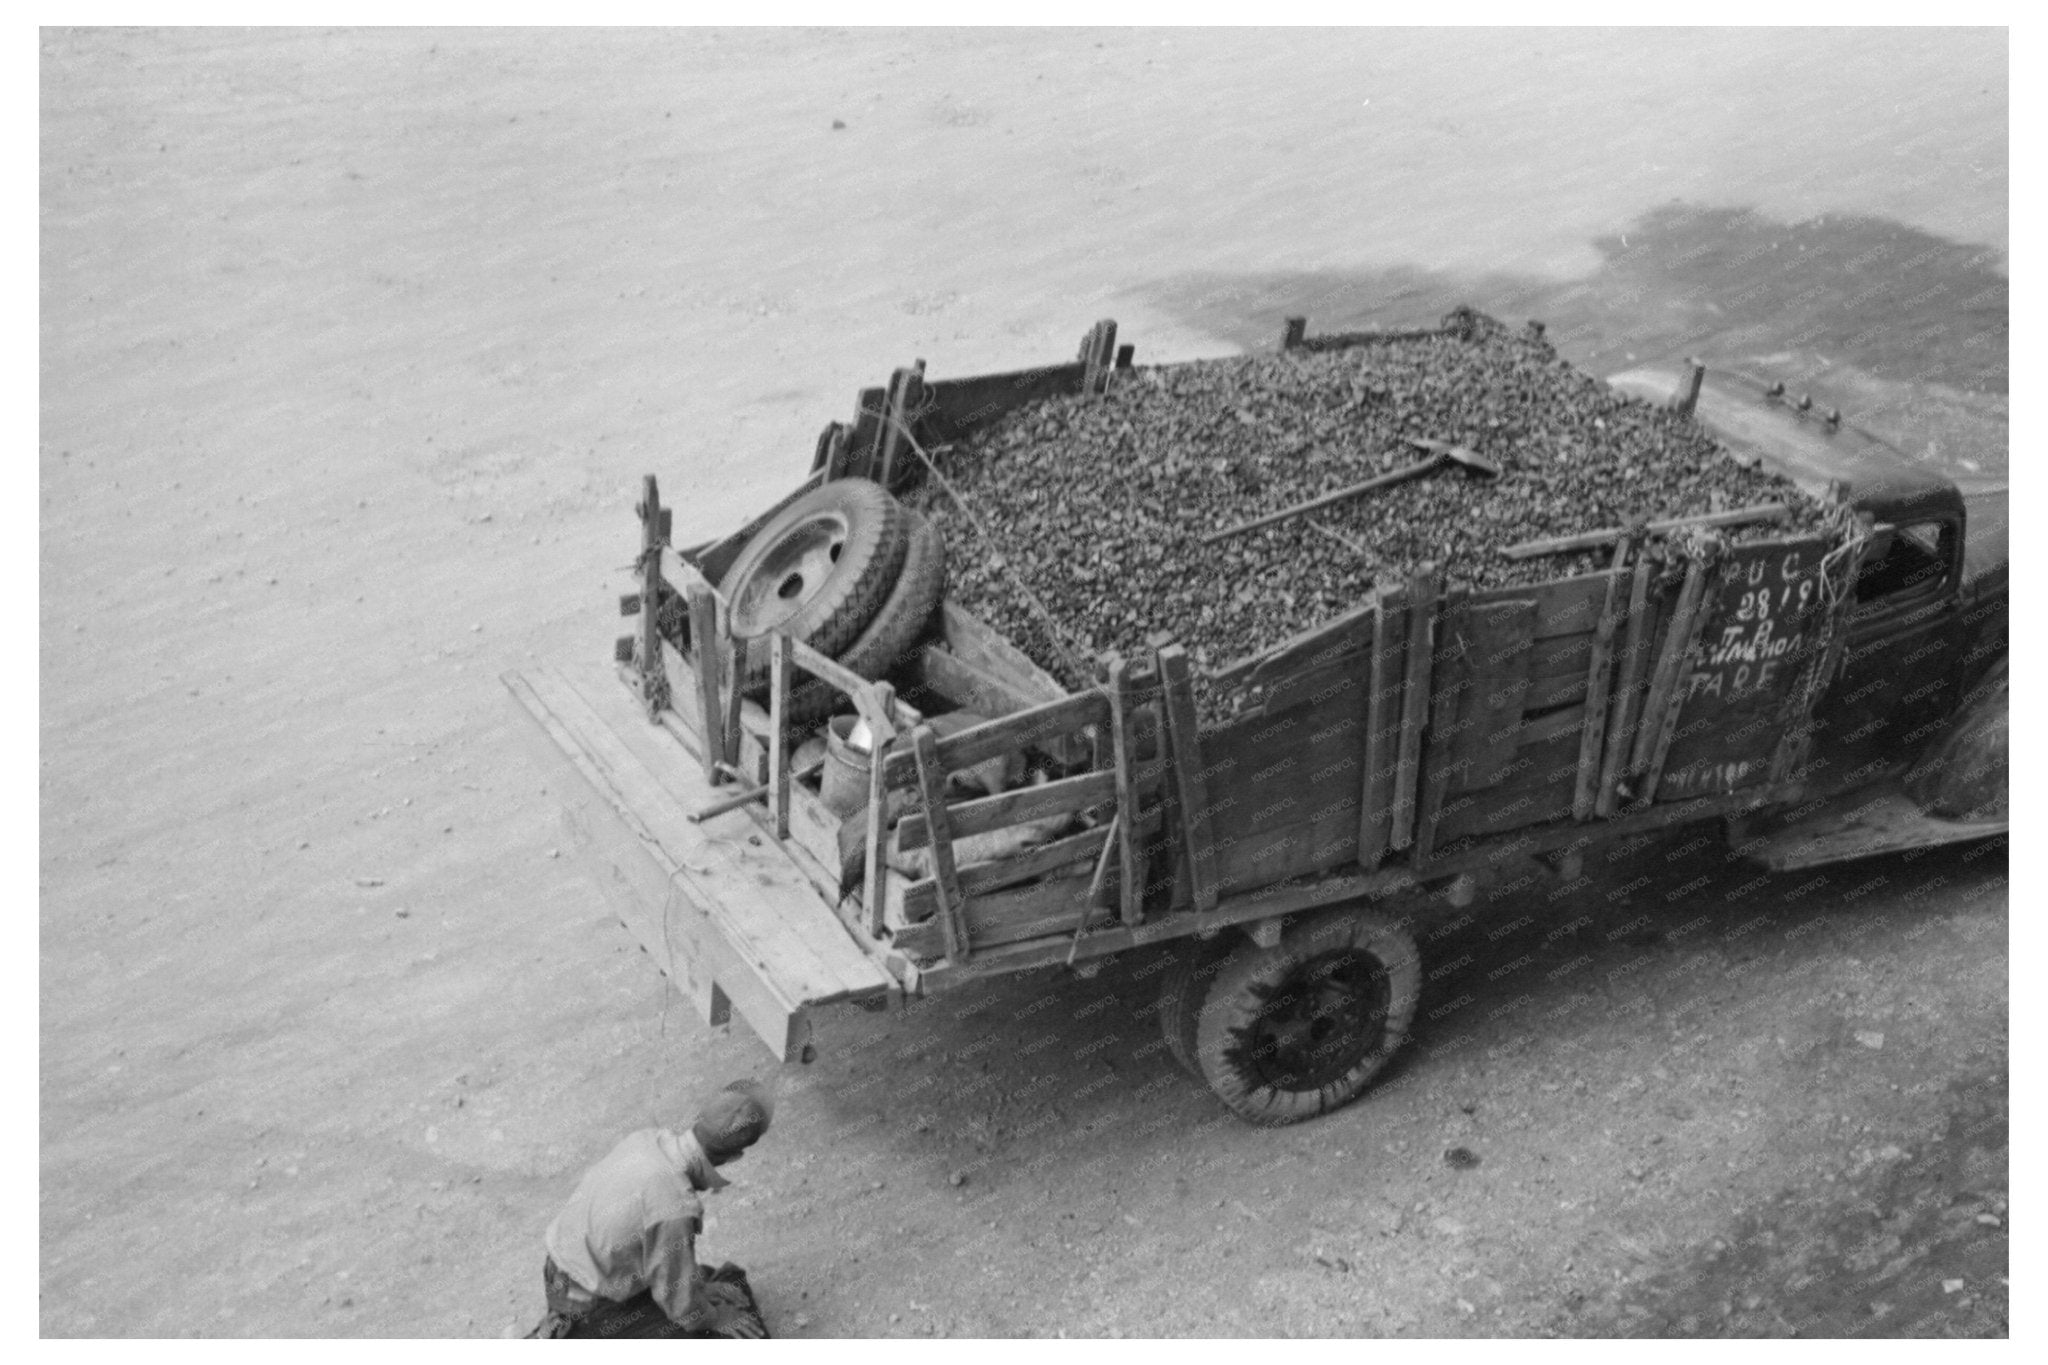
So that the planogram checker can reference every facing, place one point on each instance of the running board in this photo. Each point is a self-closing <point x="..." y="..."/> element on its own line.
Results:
<point x="1863" y="824"/>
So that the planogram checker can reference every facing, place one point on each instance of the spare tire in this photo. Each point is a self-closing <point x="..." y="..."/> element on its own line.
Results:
<point x="818" y="571"/>
<point x="903" y="616"/>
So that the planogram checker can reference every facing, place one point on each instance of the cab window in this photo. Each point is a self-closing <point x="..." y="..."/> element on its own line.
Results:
<point x="1910" y="568"/>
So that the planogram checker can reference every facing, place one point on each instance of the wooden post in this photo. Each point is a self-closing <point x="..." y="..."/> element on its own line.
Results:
<point x="931" y="781"/>
<point x="1422" y="598"/>
<point x="1449" y="679"/>
<point x="1382" y="729"/>
<point x="882" y="736"/>
<point x="1622" y="732"/>
<point x="1688" y="396"/>
<point x="1177" y="691"/>
<point x="778" y="733"/>
<point x="1296" y="330"/>
<point x="1791" y="752"/>
<point x="1668" y="699"/>
<point x="735" y="680"/>
<point x="905" y="387"/>
<point x="1670" y="663"/>
<point x="704" y="639"/>
<point x="653" y="535"/>
<point x="1599" y="681"/>
<point x="1131" y="859"/>
<point x="1098" y="357"/>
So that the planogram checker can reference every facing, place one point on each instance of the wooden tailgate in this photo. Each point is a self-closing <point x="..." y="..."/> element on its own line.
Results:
<point x="731" y="921"/>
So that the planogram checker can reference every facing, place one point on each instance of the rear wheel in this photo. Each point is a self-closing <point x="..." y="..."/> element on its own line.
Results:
<point x="1299" y="1029"/>
<point x="1181" y="992"/>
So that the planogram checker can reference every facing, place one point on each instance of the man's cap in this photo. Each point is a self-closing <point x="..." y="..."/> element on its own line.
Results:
<point x="733" y="1121"/>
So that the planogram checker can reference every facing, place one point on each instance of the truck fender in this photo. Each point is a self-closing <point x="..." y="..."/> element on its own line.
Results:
<point x="1963" y="773"/>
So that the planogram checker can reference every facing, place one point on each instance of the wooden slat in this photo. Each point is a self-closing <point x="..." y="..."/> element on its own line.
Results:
<point x="920" y="898"/>
<point x="1562" y="656"/>
<point x="1321" y="644"/>
<point x="1692" y="616"/>
<point x="1634" y="662"/>
<point x="734" y="655"/>
<point x="1678" y="637"/>
<point x="704" y="640"/>
<point x="826" y="669"/>
<point x="653" y="682"/>
<point x="1599" y="678"/>
<point x="1568" y="721"/>
<point x="778" y="735"/>
<point x="1049" y="908"/>
<point x="1123" y="736"/>
<point x="1422" y="599"/>
<point x="1547" y="694"/>
<point x="1587" y="540"/>
<point x="945" y="878"/>
<point x="1382" y="726"/>
<point x="1448" y="685"/>
<point x="875" y="884"/>
<point x="1494" y="666"/>
<point x="982" y="646"/>
<point x="970" y="687"/>
<point x="1005" y="735"/>
<point x="1183" y="737"/>
<point x="1018" y="807"/>
<point x="1568" y="606"/>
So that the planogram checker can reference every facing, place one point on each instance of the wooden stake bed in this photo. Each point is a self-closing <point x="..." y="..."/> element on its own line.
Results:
<point x="1433" y="736"/>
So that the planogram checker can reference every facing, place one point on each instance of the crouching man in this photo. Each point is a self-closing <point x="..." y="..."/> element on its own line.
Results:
<point x="622" y="1258"/>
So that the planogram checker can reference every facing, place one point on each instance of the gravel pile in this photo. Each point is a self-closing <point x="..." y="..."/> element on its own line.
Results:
<point x="1099" y="505"/>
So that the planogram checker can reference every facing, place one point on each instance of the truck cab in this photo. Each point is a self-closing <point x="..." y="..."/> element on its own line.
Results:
<point x="1908" y="737"/>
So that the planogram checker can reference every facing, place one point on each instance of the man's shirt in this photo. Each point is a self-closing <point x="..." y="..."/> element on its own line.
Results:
<point x="633" y="1222"/>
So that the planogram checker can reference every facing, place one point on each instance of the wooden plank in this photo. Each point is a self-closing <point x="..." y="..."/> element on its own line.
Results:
<point x="1547" y="694"/>
<point x="1450" y="681"/>
<point x="1501" y="810"/>
<point x="704" y="636"/>
<point x="1423" y="589"/>
<point x="1677" y="643"/>
<point x="981" y="645"/>
<point x="1692" y="616"/>
<point x="1021" y="806"/>
<point x="1005" y="735"/>
<point x="972" y="688"/>
<point x="653" y="681"/>
<point x="1567" y="606"/>
<point x="1123" y="738"/>
<point x="945" y="878"/>
<point x="1495" y="668"/>
<point x="1382" y="726"/>
<point x="1049" y="908"/>
<point x="826" y="669"/>
<point x="1587" y="540"/>
<point x="1599" y="678"/>
<point x="1563" y="656"/>
<point x="1184" y="741"/>
<point x="959" y="407"/>
<point x="778" y="735"/>
<point x="1634" y="662"/>
<point x="719" y="916"/>
<point x="920" y="898"/>
<point x="1568" y="720"/>
<point x="1318" y="644"/>
<point x="733" y="653"/>
<point x="875" y="883"/>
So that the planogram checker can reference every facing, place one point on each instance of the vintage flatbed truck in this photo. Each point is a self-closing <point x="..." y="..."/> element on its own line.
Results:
<point x="1814" y="697"/>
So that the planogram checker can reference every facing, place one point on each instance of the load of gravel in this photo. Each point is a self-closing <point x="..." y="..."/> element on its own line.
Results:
<point x="1091" y="511"/>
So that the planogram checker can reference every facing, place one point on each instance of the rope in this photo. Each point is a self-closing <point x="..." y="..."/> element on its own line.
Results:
<point x="1059" y="632"/>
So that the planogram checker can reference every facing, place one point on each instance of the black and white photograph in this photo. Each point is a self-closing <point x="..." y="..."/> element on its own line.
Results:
<point x="1023" y="675"/>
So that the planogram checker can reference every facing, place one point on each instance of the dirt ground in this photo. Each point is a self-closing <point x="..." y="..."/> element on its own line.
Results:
<point x="354" y="347"/>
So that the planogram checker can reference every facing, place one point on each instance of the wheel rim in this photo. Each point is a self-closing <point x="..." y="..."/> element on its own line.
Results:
<point x="1318" y="1022"/>
<point x="789" y="575"/>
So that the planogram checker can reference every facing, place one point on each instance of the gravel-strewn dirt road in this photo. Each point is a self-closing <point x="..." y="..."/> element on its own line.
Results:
<point x="354" y="347"/>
